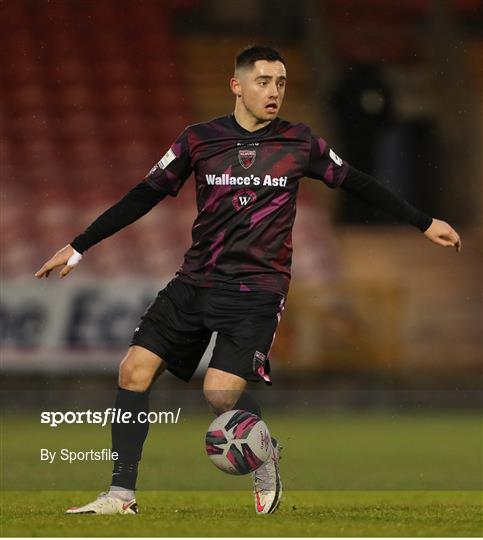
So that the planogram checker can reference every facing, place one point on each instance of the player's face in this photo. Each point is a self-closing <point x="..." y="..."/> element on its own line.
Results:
<point x="261" y="89"/>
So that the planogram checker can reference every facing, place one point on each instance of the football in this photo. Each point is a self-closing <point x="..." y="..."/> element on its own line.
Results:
<point x="238" y="442"/>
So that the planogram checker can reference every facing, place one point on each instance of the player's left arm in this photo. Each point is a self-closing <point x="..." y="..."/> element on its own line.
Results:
<point x="324" y="164"/>
<point x="369" y="190"/>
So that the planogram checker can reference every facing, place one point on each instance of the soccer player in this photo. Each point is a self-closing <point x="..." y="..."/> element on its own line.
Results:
<point x="236" y="274"/>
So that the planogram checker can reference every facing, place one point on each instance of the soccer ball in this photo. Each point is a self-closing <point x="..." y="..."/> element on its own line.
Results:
<point x="238" y="442"/>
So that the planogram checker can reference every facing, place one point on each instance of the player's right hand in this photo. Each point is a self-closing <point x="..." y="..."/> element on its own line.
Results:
<point x="67" y="257"/>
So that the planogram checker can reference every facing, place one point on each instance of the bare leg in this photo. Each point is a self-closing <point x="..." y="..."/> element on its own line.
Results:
<point x="139" y="368"/>
<point x="222" y="390"/>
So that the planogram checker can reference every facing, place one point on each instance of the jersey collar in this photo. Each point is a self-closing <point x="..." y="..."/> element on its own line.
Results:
<point x="262" y="131"/>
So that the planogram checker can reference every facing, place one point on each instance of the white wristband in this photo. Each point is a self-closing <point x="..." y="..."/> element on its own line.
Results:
<point x="74" y="259"/>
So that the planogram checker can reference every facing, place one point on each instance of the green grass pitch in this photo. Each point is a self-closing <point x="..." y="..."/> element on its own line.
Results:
<point x="345" y="474"/>
<point x="303" y="513"/>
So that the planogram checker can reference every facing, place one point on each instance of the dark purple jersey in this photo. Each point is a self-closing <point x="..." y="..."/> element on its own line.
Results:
<point x="246" y="190"/>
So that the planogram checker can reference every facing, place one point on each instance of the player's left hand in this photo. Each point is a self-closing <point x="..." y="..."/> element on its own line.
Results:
<point x="443" y="234"/>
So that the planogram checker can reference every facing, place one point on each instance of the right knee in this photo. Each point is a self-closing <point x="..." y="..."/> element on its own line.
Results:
<point x="129" y="379"/>
<point x="137" y="374"/>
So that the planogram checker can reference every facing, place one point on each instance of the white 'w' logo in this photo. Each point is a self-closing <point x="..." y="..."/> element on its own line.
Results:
<point x="244" y="200"/>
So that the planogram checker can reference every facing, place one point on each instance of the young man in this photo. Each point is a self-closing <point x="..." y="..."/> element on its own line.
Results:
<point x="236" y="274"/>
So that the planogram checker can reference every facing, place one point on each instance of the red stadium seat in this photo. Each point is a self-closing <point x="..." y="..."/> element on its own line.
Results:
<point x="92" y="96"/>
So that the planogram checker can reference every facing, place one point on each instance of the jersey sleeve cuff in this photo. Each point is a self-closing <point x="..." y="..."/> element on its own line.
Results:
<point x="78" y="245"/>
<point x="424" y="223"/>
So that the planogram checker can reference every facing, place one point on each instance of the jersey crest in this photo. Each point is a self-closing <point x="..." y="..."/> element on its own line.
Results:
<point x="247" y="158"/>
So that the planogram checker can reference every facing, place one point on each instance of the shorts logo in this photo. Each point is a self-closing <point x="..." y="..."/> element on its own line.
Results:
<point x="247" y="158"/>
<point x="258" y="360"/>
<point x="243" y="198"/>
<point x="335" y="158"/>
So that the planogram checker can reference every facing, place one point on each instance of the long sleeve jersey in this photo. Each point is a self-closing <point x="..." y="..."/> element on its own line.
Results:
<point x="246" y="192"/>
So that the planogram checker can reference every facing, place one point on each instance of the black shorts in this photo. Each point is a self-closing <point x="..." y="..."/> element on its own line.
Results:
<point x="178" y="325"/>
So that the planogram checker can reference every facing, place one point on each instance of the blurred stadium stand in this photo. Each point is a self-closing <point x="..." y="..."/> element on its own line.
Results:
<point x="395" y="30"/>
<point x="92" y="93"/>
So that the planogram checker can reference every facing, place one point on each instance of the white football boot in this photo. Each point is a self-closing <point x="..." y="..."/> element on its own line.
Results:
<point x="106" y="504"/>
<point x="267" y="486"/>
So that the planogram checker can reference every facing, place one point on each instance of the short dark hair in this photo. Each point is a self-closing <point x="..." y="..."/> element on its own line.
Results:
<point x="253" y="53"/>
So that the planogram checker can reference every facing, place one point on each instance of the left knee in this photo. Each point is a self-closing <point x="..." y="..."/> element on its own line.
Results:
<point x="221" y="401"/>
<point x="222" y="390"/>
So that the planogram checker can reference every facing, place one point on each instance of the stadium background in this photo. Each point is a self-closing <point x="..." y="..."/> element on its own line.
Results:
<point x="378" y="319"/>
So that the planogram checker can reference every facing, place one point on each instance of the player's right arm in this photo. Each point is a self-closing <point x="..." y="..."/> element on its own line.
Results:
<point x="165" y="178"/>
